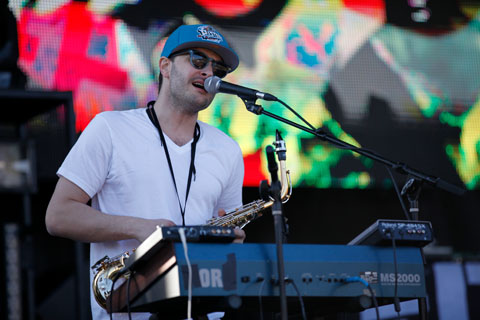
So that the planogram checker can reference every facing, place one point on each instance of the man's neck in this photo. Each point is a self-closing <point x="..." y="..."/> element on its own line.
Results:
<point x="176" y="124"/>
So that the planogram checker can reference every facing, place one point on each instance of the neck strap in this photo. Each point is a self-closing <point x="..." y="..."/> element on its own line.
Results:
<point x="191" y="171"/>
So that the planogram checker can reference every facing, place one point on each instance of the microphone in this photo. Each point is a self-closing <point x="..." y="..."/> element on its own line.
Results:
<point x="214" y="85"/>
<point x="272" y="164"/>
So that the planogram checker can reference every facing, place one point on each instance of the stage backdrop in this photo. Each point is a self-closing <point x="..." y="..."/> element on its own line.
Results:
<point x="399" y="77"/>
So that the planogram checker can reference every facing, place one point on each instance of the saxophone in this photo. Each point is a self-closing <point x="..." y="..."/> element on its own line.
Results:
<point x="106" y="269"/>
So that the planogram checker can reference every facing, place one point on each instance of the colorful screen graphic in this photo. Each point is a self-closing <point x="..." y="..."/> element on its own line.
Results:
<point x="399" y="77"/>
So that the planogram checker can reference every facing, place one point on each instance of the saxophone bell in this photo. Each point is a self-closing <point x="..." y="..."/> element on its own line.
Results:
<point x="106" y="270"/>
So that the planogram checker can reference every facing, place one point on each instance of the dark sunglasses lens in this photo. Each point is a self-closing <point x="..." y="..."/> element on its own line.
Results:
<point x="198" y="61"/>
<point x="219" y="70"/>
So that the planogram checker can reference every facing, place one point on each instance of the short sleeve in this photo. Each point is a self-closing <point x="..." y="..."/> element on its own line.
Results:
<point x="88" y="162"/>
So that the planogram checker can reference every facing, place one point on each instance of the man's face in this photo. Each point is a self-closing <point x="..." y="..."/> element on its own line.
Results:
<point x="186" y="82"/>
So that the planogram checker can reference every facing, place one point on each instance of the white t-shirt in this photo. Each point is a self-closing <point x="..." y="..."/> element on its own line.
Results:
<point x="120" y="163"/>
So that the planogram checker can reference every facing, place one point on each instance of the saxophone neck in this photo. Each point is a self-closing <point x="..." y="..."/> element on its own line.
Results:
<point x="285" y="180"/>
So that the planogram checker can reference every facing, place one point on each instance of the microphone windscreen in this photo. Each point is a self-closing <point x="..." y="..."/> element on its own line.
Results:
<point x="211" y="84"/>
<point x="272" y="164"/>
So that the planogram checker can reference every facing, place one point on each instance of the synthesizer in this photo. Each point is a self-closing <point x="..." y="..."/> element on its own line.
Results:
<point x="235" y="275"/>
<point x="192" y="234"/>
<point x="405" y="232"/>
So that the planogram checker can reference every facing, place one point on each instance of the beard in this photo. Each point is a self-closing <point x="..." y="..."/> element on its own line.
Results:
<point x="182" y="95"/>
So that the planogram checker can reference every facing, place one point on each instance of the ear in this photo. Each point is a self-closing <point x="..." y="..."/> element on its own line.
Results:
<point x="165" y="67"/>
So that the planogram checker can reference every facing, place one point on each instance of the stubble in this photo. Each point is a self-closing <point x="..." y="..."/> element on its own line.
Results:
<point x="182" y="95"/>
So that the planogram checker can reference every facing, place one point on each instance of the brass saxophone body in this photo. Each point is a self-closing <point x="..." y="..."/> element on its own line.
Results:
<point x="242" y="216"/>
<point x="106" y="269"/>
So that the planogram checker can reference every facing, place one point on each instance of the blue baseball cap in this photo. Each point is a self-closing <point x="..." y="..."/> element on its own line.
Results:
<point x="200" y="36"/>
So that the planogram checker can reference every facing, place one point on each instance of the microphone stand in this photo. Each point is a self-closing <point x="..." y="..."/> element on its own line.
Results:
<point x="412" y="189"/>
<point x="274" y="191"/>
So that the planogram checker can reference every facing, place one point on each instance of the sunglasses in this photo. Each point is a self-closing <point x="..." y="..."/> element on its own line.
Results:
<point x="199" y="61"/>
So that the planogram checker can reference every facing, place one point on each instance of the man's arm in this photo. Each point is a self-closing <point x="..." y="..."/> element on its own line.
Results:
<point x="69" y="216"/>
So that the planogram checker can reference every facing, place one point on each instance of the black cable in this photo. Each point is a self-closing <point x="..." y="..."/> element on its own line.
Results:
<point x="302" y="306"/>
<point x="260" y="298"/>
<point x="128" y="297"/>
<point x="396" y="300"/>
<point x="397" y="191"/>
<point x="320" y="133"/>
<point x="375" y="302"/>
<point x="115" y="278"/>
<point x="298" y="115"/>
<point x="370" y="289"/>
<point x="340" y="144"/>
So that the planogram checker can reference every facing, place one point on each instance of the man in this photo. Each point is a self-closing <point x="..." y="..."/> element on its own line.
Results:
<point x="151" y="167"/>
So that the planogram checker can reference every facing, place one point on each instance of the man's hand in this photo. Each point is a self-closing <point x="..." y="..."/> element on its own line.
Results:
<point x="149" y="226"/>
<point x="239" y="233"/>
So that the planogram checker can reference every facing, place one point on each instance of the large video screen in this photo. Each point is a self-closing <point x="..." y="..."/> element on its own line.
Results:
<point x="399" y="77"/>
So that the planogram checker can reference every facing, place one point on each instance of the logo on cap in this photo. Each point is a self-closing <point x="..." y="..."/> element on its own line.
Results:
<point x="209" y="33"/>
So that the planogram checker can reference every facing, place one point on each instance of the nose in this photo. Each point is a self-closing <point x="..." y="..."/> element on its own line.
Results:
<point x="208" y="69"/>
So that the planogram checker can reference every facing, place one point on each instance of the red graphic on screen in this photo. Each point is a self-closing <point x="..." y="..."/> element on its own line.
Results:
<point x="72" y="49"/>
<point x="373" y="8"/>
<point x="253" y="174"/>
<point x="229" y="8"/>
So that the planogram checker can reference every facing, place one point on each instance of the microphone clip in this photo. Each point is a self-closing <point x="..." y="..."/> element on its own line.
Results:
<point x="252" y="106"/>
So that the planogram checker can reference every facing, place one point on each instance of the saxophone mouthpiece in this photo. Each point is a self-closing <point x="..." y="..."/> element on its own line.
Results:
<point x="280" y="147"/>
<point x="277" y="135"/>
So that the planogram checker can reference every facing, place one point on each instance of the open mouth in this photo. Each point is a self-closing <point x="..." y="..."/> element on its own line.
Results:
<point x="199" y="85"/>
